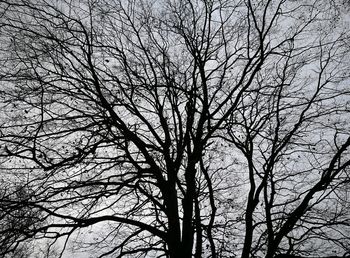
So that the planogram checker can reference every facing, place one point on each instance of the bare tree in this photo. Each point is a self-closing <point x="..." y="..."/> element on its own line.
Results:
<point x="16" y="219"/>
<point x="177" y="128"/>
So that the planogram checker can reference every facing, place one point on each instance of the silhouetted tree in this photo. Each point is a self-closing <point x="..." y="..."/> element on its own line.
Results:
<point x="16" y="221"/>
<point x="177" y="128"/>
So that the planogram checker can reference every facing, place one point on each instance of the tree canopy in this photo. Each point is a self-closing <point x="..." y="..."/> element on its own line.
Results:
<point x="175" y="128"/>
